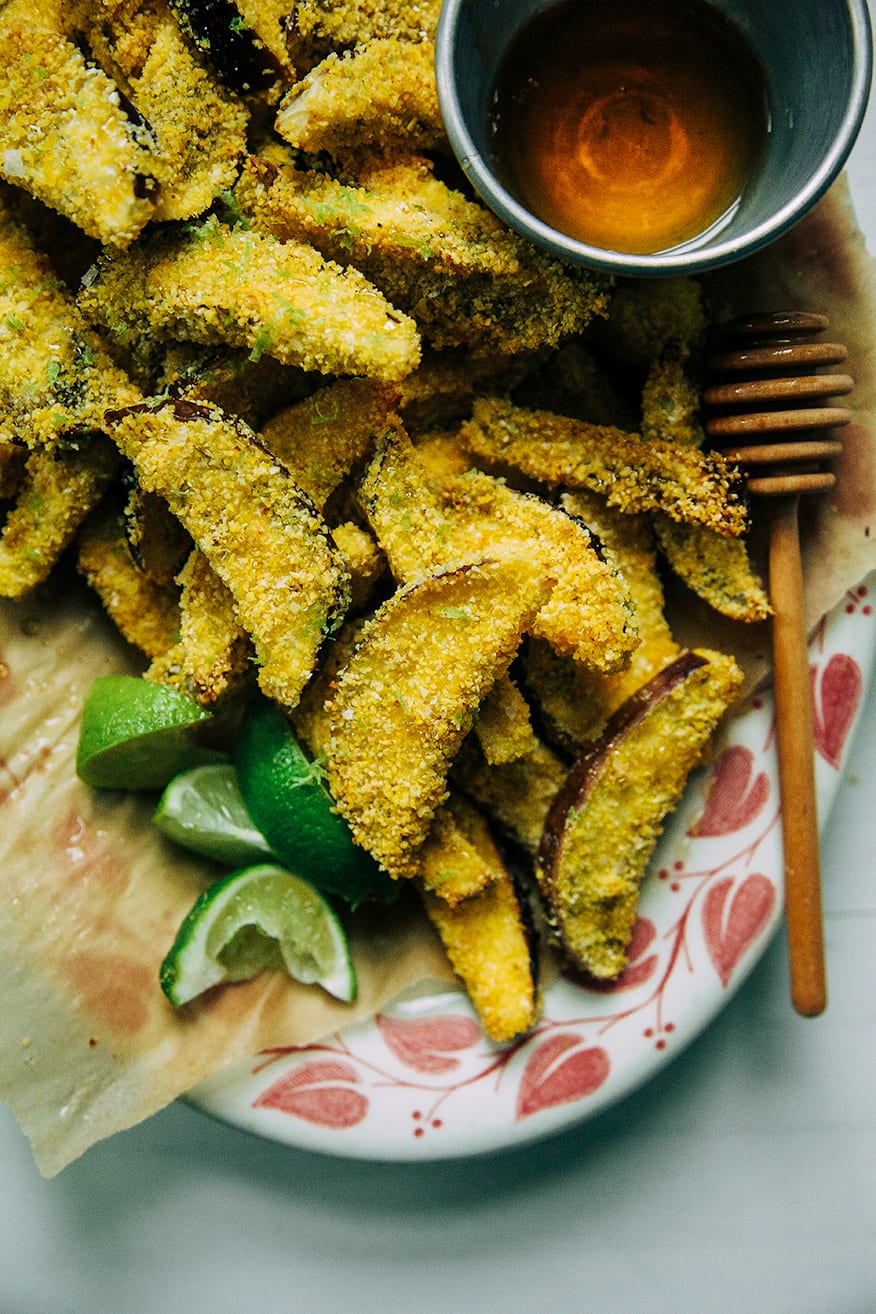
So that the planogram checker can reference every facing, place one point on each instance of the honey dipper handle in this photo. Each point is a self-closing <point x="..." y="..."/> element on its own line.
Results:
<point x="796" y="752"/>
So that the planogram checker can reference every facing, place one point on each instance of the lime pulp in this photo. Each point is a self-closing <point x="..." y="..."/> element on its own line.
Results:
<point x="262" y="917"/>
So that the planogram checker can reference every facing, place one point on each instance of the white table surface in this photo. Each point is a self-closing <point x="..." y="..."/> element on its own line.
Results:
<point x="742" y="1180"/>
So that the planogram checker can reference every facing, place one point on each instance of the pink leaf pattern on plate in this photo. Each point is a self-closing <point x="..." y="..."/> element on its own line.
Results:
<point x="736" y="794"/>
<point x="560" y="1071"/>
<point x="316" y="1093"/>
<point x="427" y="1043"/>
<point x="731" y="925"/>
<point x="835" y="701"/>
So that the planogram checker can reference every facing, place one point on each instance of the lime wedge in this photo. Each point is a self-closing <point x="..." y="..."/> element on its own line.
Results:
<point x="288" y="802"/>
<point x="203" y="810"/>
<point x="260" y="918"/>
<point x="137" y="735"/>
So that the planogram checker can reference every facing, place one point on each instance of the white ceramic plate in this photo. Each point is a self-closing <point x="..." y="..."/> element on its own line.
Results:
<point x="421" y="1082"/>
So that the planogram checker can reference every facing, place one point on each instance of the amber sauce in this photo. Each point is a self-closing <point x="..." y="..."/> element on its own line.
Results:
<point x="632" y="125"/>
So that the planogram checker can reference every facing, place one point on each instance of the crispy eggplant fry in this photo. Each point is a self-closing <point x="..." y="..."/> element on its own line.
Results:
<point x="198" y="128"/>
<point x="321" y="438"/>
<point x="213" y="656"/>
<point x="261" y="534"/>
<point x="64" y="136"/>
<point x="716" y="568"/>
<point x="366" y="564"/>
<point x="144" y="611"/>
<point x="159" y="544"/>
<point x="605" y="821"/>
<point x="381" y="91"/>
<point x="252" y="390"/>
<point x="454" y="859"/>
<point x="719" y="570"/>
<point x="55" y="376"/>
<point x="491" y="946"/>
<point x="209" y="283"/>
<point x="574" y="703"/>
<point x="649" y="313"/>
<point x="404" y="510"/>
<point x="407" y="697"/>
<point x="243" y="40"/>
<point x="418" y="543"/>
<point x="688" y="485"/>
<point x="440" y="258"/>
<point x="588" y="615"/>
<point x="515" y="795"/>
<point x="503" y="725"/>
<point x="459" y="856"/>
<point x="466" y="517"/>
<point x="57" y="491"/>
<point x="319" y="26"/>
<point x="671" y="401"/>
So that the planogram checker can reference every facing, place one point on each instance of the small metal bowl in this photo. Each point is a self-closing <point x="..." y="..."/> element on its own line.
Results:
<point x="817" y="56"/>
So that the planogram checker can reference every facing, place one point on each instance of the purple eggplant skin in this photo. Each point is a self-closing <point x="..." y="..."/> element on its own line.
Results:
<point x="591" y="923"/>
<point x="630" y="713"/>
<point x="233" y="50"/>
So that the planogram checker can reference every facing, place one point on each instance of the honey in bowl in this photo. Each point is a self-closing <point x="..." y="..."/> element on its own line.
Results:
<point x="632" y="125"/>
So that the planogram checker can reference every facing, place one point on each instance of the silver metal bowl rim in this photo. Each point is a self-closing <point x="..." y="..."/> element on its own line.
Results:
<point x="681" y="260"/>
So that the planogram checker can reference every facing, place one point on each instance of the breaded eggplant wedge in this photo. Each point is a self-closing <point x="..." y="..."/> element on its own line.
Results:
<point x="671" y="401"/>
<point x="57" y="490"/>
<point x="144" y="611"/>
<point x="516" y="796"/>
<point x="633" y="475"/>
<point x="605" y="821"/>
<point x="458" y="858"/>
<point x="55" y="375"/>
<point x="212" y="657"/>
<point x="196" y="127"/>
<point x="321" y="438"/>
<point x="209" y="283"/>
<point x="382" y="91"/>
<point x="718" y="569"/>
<point x="261" y="534"/>
<point x="244" y="41"/>
<point x="573" y="702"/>
<point x="648" y="314"/>
<point x="422" y="542"/>
<point x="65" y="136"/>
<point x="406" y="699"/>
<point x="504" y="726"/>
<point x="464" y="517"/>
<point x="444" y="260"/>
<point x="320" y="26"/>
<point x="491" y="945"/>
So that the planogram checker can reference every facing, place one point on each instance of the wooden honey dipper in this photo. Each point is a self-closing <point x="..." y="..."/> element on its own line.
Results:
<point x="771" y="393"/>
